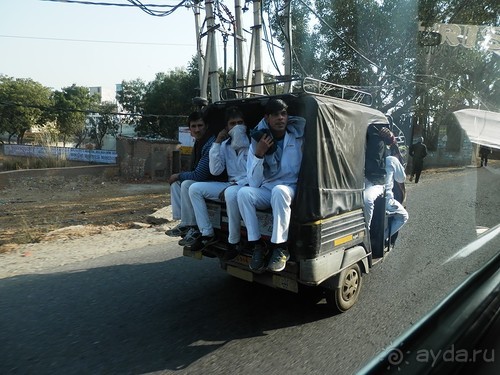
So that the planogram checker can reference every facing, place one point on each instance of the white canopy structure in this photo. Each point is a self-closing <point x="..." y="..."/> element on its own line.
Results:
<point x="482" y="127"/>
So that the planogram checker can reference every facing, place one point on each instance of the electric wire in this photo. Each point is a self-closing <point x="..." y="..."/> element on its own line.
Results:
<point x="147" y="8"/>
<point x="354" y="49"/>
<point x="107" y="4"/>
<point x="268" y="39"/>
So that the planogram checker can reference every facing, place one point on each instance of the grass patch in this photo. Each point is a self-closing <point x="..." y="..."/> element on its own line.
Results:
<point x="13" y="163"/>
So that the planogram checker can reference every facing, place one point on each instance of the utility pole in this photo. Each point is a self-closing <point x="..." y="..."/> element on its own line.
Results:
<point x="199" y="53"/>
<point x="238" y="45"/>
<point x="288" y="44"/>
<point x="257" y="47"/>
<point x="210" y="69"/>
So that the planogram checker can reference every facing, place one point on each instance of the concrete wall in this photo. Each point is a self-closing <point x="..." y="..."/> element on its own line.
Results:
<point x="144" y="158"/>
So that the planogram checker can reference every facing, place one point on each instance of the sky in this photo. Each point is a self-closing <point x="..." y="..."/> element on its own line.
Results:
<point x="60" y="44"/>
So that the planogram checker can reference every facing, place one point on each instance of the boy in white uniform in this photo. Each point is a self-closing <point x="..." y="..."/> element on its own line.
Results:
<point x="273" y="165"/>
<point x="395" y="172"/>
<point x="228" y="152"/>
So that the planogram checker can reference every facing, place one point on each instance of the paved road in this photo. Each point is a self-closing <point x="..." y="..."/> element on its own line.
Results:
<point x="152" y="311"/>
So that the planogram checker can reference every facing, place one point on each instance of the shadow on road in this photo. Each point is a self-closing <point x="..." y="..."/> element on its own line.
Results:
<point x="135" y="318"/>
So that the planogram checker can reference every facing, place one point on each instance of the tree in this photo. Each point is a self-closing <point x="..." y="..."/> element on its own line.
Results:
<point x="167" y="101"/>
<point x="304" y="42"/>
<point x="373" y="45"/>
<point x="453" y="76"/>
<point x="103" y="123"/>
<point x="24" y="104"/>
<point x="72" y="105"/>
<point x="131" y="99"/>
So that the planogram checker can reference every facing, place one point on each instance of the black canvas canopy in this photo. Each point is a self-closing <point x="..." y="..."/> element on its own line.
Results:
<point x="332" y="174"/>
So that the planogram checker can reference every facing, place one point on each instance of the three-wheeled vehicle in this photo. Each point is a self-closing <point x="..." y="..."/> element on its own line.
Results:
<point x="329" y="241"/>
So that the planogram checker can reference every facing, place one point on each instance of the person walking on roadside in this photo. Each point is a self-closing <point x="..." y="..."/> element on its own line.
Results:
<point x="484" y="152"/>
<point x="418" y="152"/>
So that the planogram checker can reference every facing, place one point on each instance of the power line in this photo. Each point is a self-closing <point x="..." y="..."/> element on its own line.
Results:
<point x="94" y="41"/>
<point x="147" y="8"/>
<point x="108" y="4"/>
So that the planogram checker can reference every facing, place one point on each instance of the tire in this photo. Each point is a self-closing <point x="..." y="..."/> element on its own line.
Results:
<point x="343" y="298"/>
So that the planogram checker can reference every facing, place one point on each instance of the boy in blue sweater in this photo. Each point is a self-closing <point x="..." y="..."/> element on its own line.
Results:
<point x="182" y="209"/>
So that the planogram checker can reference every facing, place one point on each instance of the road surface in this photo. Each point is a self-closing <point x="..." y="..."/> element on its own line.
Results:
<point x="150" y="310"/>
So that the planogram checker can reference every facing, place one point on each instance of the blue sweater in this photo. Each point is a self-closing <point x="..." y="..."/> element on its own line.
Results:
<point x="201" y="171"/>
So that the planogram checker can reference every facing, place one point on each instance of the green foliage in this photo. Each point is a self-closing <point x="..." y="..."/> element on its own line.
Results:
<point x="163" y="103"/>
<point x="72" y="105"/>
<point x="304" y="41"/>
<point x="131" y="99"/>
<point x="17" y="163"/>
<point x="372" y="44"/>
<point x="24" y="103"/>
<point x="104" y="123"/>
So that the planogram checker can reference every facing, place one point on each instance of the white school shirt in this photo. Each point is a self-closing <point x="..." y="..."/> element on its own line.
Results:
<point x="223" y="156"/>
<point x="289" y="166"/>
<point x="394" y="171"/>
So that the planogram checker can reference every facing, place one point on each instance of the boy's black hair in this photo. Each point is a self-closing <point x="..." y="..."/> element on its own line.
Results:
<point x="232" y="112"/>
<point x="195" y="116"/>
<point x="274" y="105"/>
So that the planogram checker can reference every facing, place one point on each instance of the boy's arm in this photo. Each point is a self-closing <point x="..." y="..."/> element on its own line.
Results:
<point x="255" y="168"/>
<point x="202" y="169"/>
<point x="217" y="161"/>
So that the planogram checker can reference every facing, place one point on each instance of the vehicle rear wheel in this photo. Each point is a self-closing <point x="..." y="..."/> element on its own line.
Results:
<point x="343" y="298"/>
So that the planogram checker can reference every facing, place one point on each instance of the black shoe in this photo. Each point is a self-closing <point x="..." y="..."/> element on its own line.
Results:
<point x="203" y="242"/>
<point x="190" y="238"/>
<point x="231" y="252"/>
<point x="178" y="231"/>
<point x="258" y="261"/>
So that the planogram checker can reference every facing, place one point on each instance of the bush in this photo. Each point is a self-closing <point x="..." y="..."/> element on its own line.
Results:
<point x="16" y="163"/>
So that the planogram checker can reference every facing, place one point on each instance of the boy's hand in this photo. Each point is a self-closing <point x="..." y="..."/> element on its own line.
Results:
<point x="222" y="136"/>
<point x="263" y="145"/>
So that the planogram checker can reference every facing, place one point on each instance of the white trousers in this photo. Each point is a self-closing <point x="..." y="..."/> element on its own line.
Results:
<point x="370" y="193"/>
<point x="398" y="213"/>
<point x="200" y="191"/>
<point x="182" y="209"/>
<point x="250" y="199"/>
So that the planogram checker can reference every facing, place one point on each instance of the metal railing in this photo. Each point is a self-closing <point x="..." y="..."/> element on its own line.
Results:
<point x="295" y="85"/>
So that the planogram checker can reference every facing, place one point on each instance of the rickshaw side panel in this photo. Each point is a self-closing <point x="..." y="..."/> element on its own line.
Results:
<point x="333" y="240"/>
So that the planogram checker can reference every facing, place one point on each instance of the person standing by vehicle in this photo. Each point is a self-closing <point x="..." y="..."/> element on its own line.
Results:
<point x="484" y="152"/>
<point x="228" y="152"/>
<point x="375" y="153"/>
<point x="182" y="209"/>
<point x="418" y="152"/>
<point x="273" y="165"/>
<point x="395" y="172"/>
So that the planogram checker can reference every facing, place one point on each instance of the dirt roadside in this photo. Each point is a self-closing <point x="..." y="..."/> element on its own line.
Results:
<point x="43" y="209"/>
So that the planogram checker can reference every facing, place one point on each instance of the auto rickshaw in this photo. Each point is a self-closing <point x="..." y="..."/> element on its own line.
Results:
<point x="329" y="241"/>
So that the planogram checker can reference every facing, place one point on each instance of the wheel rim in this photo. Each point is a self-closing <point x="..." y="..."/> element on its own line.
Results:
<point x="351" y="285"/>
